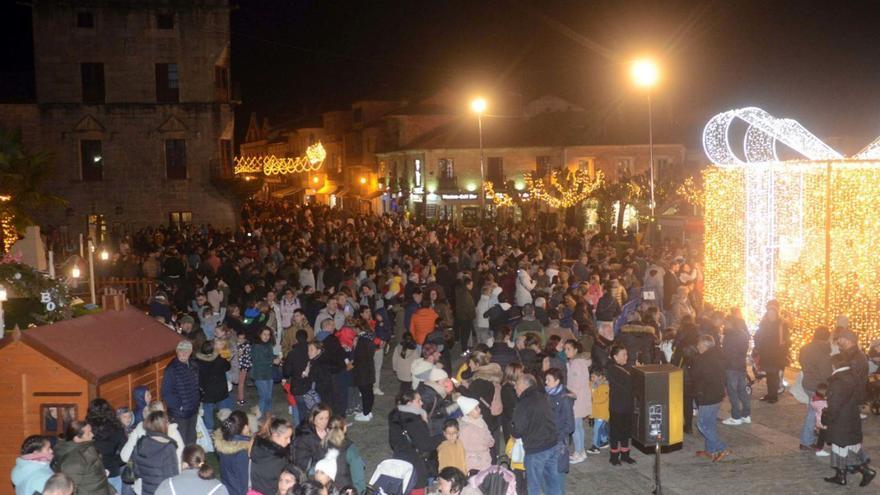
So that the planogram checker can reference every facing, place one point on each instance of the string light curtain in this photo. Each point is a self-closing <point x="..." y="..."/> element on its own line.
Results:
<point x="805" y="233"/>
<point x="8" y="234"/>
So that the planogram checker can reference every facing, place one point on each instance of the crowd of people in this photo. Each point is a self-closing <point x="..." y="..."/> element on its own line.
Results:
<point x="512" y="347"/>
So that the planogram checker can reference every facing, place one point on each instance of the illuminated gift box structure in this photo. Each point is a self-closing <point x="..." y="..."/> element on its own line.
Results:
<point x="804" y="232"/>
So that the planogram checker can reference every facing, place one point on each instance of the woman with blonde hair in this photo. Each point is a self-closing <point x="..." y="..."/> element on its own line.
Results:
<point x="196" y="476"/>
<point x="350" y="466"/>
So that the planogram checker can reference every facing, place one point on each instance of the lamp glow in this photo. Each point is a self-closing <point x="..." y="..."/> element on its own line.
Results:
<point x="478" y="105"/>
<point x="105" y="255"/>
<point x="471" y="187"/>
<point x="3" y="294"/>
<point x="363" y="180"/>
<point x="645" y="73"/>
<point x="75" y="273"/>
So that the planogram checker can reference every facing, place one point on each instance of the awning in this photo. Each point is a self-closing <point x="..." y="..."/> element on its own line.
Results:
<point x="287" y="191"/>
<point x="327" y="189"/>
<point x="372" y="195"/>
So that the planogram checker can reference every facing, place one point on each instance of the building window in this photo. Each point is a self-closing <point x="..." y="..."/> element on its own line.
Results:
<point x="418" y="172"/>
<point x="661" y="166"/>
<point x="85" y="20"/>
<point x="587" y="164"/>
<point x="175" y="158"/>
<point x="55" y="418"/>
<point x="167" y="83"/>
<point x="221" y="83"/>
<point x="624" y="167"/>
<point x="542" y="165"/>
<point x="225" y="156"/>
<point x="495" y="170"/>
<point x="92" y="82"/>
<point x="91" y="159"/>
<point x="180" y="218"/>
<point x="96" y="227"/>
<point x="446" y="168"/>
<point x="164" y="21"/>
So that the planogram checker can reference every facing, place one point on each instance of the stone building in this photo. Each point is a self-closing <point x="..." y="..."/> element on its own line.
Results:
<point x="133" y="101"/>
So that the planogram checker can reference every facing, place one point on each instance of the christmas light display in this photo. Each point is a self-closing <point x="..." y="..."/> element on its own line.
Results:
<point x="272" y="165"/>
<point x="578" y="185"/>
<point x="502" y="199"/>
<point x="691" y="192"/>
<point x="802" y="232"/>
<point x="8" y="234"/>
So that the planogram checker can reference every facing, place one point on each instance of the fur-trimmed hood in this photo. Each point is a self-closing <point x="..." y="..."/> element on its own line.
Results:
<point x="491" y="372"/>
<point x="230" y="447"/>
<point x="636" y="328"/>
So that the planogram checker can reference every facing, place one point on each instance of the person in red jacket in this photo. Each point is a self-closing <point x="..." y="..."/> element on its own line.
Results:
<point x="422" y="322"/>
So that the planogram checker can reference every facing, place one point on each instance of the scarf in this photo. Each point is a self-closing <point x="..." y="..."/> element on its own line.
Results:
<point x="553" y="390"/>
<point x="413" y="410"/>
<point x="39" y="457"/>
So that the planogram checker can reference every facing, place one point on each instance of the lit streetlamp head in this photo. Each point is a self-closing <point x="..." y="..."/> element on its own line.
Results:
<point x="478" y="105"/>
<point x="75" y="273"/>
<point x="105" y="255"/>
<point x="645" y="73"/>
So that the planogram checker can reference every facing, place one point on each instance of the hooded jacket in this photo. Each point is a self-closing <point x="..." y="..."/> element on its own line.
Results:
<point x="306" y="447"/>
<point x="233" y="457"/>
<point x="482" y="388"/>
<point x="709" y="377"/>
<point x="140" y="402"/>
<point x="411" y="441"/>
<point x="476" y="437"/>
<point x="83" y="464"/>
<point x="268" y="459"/>
<point x="524" y="287"/>
<point x="155" y="460"/>
<point x="30" y="476"/>
<point x="638" y="340"/>
<point x="578" y="380"/>
<point x="844" y="424"/>
<point x="212" y="377"/>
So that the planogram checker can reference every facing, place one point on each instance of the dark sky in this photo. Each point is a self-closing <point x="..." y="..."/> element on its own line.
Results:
<point x="813" y="61"/>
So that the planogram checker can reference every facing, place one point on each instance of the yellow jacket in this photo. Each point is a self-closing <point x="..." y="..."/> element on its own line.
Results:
<point x="600" y="402"/>
<point x="451" y="454"/>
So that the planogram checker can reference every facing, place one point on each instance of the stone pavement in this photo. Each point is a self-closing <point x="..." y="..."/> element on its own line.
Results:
<point x="765" y="457"/>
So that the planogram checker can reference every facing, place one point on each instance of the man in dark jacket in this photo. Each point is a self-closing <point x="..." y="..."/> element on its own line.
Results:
<point x="534" y="422"/>
<point x="709" y="378"/>
<point x="212" y="382"/>
<point x="815" y="361"/>
<point x="465" y="312"/>
<point x="180" y="390"/>
<point x="858" y="362"/>
<point x="735" y="348"/>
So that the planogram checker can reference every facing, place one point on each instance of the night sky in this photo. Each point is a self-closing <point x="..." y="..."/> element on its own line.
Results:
<point x="813" y="61"/>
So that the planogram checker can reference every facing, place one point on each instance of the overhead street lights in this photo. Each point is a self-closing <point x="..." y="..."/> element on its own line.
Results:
<point x="645" y="74"/>
<point x="478" y="106"/>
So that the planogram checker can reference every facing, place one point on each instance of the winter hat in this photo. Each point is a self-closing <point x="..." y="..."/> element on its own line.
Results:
<point x="184" y="345"/>
<point x="420" y="370"/>
<point x="466" y="404"/>
<point x="327" y="465"/>
<point x="540" y="302"/>
<point x="437" y="374"/>
<point x="187" y="319"/>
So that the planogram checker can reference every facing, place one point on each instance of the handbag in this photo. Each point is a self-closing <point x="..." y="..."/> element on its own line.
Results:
<point x="311" y="398"/>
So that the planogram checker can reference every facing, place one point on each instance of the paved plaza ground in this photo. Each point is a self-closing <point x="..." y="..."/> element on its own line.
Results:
<point x="765" y="459"/>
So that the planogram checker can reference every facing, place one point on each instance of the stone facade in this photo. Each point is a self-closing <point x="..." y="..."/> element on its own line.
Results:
<point x="129" y="40"/>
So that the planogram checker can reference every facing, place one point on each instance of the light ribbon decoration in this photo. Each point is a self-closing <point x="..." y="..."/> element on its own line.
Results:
<point x="767" y="241"/>
<point x="272" y="165"/>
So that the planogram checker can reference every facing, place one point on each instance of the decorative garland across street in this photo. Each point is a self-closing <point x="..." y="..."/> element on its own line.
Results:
<point x="21" y="280"/>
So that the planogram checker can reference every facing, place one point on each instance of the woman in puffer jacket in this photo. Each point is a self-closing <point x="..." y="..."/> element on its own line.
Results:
<point x="155" y="455"/>
<point x="232" y="442"/>
<point x="76" y="456"/>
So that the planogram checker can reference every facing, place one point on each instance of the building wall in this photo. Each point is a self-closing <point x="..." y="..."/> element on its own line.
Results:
<point x="131" y="124"/>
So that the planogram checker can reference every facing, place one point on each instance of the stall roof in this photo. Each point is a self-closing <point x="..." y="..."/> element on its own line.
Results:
<point x="101" y="346"/>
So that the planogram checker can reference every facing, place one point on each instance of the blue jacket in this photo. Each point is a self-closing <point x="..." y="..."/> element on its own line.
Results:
<point x="140" y="403"/>
<point x="30" y="477"/>
<point x="180" y="389"/>
<point x="233" y="456"/>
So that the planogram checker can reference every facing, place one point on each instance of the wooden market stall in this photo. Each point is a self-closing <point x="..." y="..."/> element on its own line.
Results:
<point x="50" y="373"/>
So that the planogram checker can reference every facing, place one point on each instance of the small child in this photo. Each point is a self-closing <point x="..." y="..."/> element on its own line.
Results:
<point x="126" y="417"/>
<point x="244" y="365"/>
<point x="601" y="412"/>
<point x="819" y="403"/>
<point x="450" y="452"/>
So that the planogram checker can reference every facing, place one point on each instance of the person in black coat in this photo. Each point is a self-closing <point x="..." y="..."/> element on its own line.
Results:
<point x="621" y="403"/>
<point x="334" y="362"/>
<point x="683" y="355"/>
<point x="155" y="454"/>
<point x="535" y="423"/>
<point x="364" y="371"/>
<point x="109" y="437"/>
<point x="270" y="455"/>
<point x="212" y="382"/>
<point x="709" y="382"/>
<point x="296" y="369"/>
<point x="771" y="348"/>
<point x="841" y="417"/>
<point x="502" y="351"/>
<point x="735" y="347"/>
<point x="409" y="437"/>
<point x="307" y="445"/>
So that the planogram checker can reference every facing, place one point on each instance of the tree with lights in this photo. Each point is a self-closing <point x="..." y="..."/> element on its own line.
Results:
<point x="22" y="174"/>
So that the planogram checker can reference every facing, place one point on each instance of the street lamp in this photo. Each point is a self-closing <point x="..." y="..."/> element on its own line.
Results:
<point x="105" y="255"/>
<point x="478" y="106"/>
<point x="645" y="74"/>
<point x="75" y="273"/>
<point x="3" y="297"/>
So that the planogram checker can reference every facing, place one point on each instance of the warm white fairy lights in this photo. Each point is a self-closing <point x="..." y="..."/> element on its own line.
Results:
<point x="802" y="232"/>
<point x="272" y="165"/>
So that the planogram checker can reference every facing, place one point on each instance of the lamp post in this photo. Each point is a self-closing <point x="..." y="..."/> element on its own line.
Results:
<point x="645" y="74"/>
<point x="92" y="272"/>
<point x="478" y="106"/>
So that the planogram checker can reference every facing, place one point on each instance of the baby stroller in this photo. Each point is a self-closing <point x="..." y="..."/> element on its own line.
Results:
<point x="392" y="477"/>
<point x="494" y="480"/>
<point x="757" y="374"/>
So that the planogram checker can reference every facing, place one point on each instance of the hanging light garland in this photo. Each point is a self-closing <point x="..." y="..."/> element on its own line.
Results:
<point x="272" y="165"/>
<point x="578" y="186"/>
<point x="502" y="199"/>
<point x="692" y="193"/>
<point x="8" y="234"/>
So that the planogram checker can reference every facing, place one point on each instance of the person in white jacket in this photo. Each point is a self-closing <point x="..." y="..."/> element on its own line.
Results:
<point x="481" y="323"/>
<point x="139" y="432"/>
<point x="524" y="286"/>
